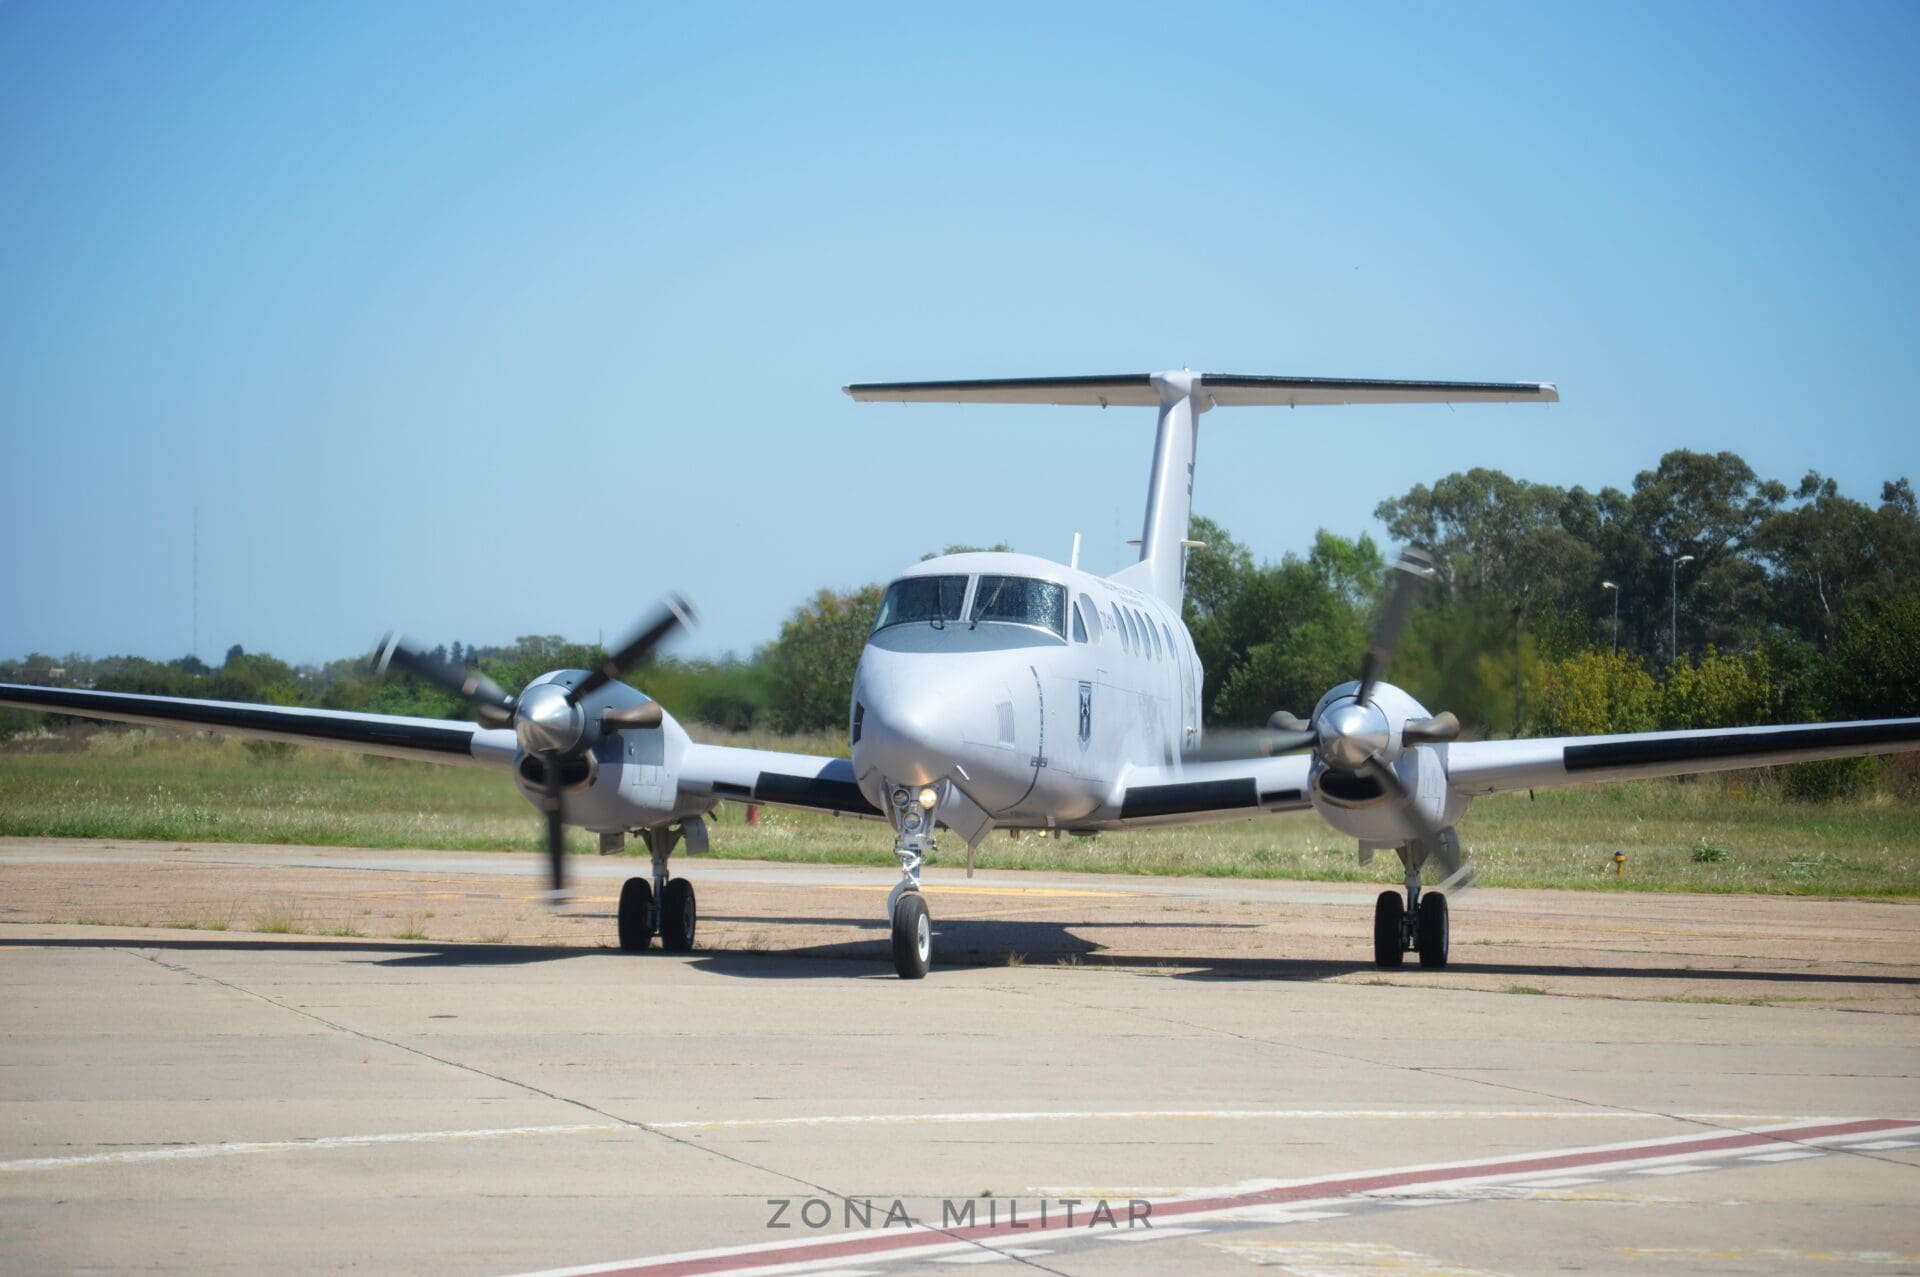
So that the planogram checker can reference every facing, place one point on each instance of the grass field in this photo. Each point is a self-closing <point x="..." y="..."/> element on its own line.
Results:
<point x="1705" y="836"/>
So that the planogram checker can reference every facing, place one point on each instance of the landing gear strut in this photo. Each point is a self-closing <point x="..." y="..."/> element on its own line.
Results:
<point x="1417" y="926"/>
<point x="663" y="906"/>
<point x="906" y="907"/>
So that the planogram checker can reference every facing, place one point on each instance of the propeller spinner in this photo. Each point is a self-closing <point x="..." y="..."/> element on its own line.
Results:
<point x="548" y="718"/>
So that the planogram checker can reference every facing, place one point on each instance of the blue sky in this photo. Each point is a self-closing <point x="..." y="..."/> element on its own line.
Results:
<point x="487" y="320"/>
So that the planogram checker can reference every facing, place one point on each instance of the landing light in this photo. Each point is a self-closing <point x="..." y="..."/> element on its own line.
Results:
<point x="928" y="797"/>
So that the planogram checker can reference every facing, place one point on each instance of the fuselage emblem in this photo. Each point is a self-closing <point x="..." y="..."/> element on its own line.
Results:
<point x="1086" y="712"/>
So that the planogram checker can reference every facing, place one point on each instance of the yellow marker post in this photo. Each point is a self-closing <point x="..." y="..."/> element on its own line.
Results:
<point x="1620" y="862"/>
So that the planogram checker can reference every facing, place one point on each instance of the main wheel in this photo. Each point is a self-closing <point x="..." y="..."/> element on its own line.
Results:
<point x="636" y="901"/>
<point x="1432" y="941"/>
<point x="677" y="916"/>
<point x="912" y="936"/>
<point x="1388" y="912"/>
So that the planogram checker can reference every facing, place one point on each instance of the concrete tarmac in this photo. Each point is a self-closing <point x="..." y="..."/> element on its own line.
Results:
<point x="1210" y="1072"/>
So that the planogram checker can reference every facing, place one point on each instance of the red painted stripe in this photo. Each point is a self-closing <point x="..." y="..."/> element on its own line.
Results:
<point x="906" y="1240"/>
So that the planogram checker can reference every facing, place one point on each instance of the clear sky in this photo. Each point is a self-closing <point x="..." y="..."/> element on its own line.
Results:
<point x="484" y="320"/>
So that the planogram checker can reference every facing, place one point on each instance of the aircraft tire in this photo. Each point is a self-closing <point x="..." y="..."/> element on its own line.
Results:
<point x="912" y="936"/>
<point x="1388" y="911"/>
<point x="636" y="901"/>
<point x="678" y="915"/>
<point x="1432" y="941"/>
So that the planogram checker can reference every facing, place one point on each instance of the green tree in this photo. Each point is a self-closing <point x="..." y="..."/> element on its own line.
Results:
<point x="1874" y="668"/>
<point x="1593" y="693"/>
<point x="1719" y="691"/>
<point x="810" y="666"/>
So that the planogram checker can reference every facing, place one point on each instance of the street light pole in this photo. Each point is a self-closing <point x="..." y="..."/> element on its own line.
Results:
<point x="1675" y="622"/>
<point x="1609" y="585"/>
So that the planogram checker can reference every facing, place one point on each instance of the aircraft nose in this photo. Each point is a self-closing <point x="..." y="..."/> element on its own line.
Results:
<point x="908" y="733"/>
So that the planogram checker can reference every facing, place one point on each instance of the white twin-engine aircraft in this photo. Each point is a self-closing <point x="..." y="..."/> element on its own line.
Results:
<point x="1008" y="690"/>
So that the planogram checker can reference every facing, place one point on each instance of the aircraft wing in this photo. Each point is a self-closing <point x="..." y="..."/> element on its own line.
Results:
<point x="805" y="782"/>
<point x="1491" y="766"/>
<point x="1236" y="790"/>
<point x="433" y="740"/>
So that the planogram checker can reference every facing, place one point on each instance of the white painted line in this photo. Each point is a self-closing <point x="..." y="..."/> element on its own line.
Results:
<point x="186" y="1151"/>
<point x="1690" y="1168"/>
<point x="1176" y="1115"/>
<point x="1879" y="1145"/>
<point x="1281" y="1215"/>
<point x="1792" y="1155"/>
<point x="1565" y="1181"/>
<point x="991" y="1256"/>
<point x="1149" y="1234"/>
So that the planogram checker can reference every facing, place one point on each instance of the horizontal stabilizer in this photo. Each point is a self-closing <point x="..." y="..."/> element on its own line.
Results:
<point x="1212" y="389"/>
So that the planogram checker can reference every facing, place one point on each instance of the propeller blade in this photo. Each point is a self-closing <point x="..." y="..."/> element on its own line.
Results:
<point x="1437" y="730"/>
<point x="676" y="613"/>
<point x="1285" y="722"/>
<point x="643" y="716"/>
<point x="556" y="830"/>
<point x="471" y="684"/>
<point x="1414" y="566"/>
<point x="1442" y="851"/>
<point x="1247" y="746"/>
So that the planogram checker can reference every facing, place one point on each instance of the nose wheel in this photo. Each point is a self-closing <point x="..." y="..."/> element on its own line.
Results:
<point x="912" y="936"/>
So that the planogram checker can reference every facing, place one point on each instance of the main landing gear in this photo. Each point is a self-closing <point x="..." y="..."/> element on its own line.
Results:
<point x="906" y="907"/>
<point x="663" y="906"/>
<point x="1417" y="926"/>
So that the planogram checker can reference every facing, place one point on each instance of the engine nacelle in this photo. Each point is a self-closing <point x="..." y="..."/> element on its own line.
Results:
<point x="627" y="778"/>
<point x="1353" y="802"/>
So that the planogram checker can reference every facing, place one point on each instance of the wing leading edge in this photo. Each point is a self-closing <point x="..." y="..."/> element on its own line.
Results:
<point x="431" y="740"/>
<point x="1488" y="767"/>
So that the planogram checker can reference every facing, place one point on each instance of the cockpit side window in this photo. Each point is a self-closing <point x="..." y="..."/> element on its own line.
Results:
<point x="1023" y="601"/>
<point x="1079" y="626"/>
<point x="932" y="599"/>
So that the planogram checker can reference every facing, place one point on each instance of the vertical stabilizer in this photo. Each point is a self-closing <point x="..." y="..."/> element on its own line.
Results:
<point x="1161" y="570"/>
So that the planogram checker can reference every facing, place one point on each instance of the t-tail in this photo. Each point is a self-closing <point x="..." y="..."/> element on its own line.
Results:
<point x="1181" y="397"/>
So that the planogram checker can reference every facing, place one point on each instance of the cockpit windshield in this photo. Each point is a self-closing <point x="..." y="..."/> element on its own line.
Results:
<point x="1022" y="601"/>
<point x="933" y="599"/>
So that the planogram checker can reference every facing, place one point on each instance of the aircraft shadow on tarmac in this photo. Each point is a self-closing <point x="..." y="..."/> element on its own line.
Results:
<point x="383" y="953"/>
<point x="958" y="944"/>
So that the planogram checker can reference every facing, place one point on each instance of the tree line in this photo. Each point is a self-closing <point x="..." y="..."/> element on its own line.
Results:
<point x="1554" y="611"/>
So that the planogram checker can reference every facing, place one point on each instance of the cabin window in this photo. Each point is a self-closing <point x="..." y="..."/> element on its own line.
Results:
<point x="1093" y="617"/>
<point x="1120" y="628"/>
<point x="933" y="599"/>
<point x="1133" y="628"/>
<point x="1021" y="601"/>
<point x="1169" y="633"/>
<point x="1154" y="634"/>
<point x="1079" y="626"/>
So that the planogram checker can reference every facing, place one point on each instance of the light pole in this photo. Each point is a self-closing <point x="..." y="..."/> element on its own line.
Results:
<point x="1685" y="558"/>
<point x="1609" y="585"/>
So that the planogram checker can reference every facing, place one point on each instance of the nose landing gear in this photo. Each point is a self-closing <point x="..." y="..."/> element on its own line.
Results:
<point x="906" y="907"/>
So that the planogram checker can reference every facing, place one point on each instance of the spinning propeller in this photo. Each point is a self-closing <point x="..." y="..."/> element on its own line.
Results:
<point x="547" y="717"/>
<point x="1353" y="736"/>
